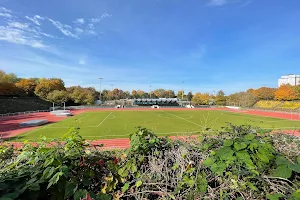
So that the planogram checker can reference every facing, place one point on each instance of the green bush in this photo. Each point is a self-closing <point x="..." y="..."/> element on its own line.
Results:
<point x="241" y="162"/>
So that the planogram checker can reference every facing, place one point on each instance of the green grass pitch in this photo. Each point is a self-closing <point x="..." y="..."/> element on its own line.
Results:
<point x="120" y="124"/>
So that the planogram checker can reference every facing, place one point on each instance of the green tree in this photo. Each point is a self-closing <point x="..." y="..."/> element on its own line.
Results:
<point x="242" y="99"/>
<point x="220" y="98"/>
<point x="58" y="96"/>
<point x="8" y="78"/>
<point x="297" y="91"/>
<point x="82" y="95"/>
<point x="189" y="96"/>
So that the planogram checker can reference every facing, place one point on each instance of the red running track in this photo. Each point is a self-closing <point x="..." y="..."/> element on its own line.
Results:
<point x="9" y="125"/>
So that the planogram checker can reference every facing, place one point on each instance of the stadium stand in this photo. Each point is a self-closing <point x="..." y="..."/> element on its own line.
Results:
<point x="12" y="105"/>
<point x="159" y="102"/>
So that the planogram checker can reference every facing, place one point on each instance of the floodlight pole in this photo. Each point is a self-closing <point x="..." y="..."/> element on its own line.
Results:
<point x="150" y="91"/>
<point x="52" y="106"/>
<point x="100" y="89"/>
<point x="64" y="105"/>
<point x="182" y="91"/>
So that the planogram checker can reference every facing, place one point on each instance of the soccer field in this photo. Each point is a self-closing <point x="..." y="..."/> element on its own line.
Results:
<point x="120" y="124"/>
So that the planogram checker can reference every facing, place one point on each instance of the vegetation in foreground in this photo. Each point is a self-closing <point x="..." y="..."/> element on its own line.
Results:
<point x="241" y="162"/>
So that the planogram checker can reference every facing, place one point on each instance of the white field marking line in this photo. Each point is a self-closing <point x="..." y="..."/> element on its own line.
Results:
<point x="277" y="118"/>
<point x="282" y="128"/>
<point x="104" y="119"/>
<point x="185" y="120"/>
<point x="161" y="116"/>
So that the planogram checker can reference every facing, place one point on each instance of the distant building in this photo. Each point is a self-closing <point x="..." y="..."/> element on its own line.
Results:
<point x="291" y="79"/>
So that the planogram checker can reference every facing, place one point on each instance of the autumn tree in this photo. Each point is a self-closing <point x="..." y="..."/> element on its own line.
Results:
<point x="180" y="94"/>
<point x="160" y="93"/>
<point x="134" y="94"/>
<point x="242" y="99"/>
<point x="170" y="94"/>
<point x="140" y="93"/>
<point x="81" y="95"/>
<point x="285" y="93"/>
<point x="48" y="85"/>
<point x="220" y="98"/>
<point x="27" y="85"/>
<point x="265" y="93"/>
<point x="201" y="99"/>
<point x="58" y="96"/>
<point x="297" y="91"/>
<point x="8" y="78"/>
<point x="9" y="89"/>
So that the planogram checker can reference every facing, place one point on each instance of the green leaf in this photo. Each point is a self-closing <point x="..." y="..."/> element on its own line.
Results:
<point x="10" y="196"/>
<point x="48" y="162"/>
<point x="283" y="172"/>
<point x="104" y="196"/>
<point x="280" y="160"/>
<point x="240" y="145"/>
<point x="245" y="158"/>
<point x="54" y="179"/>
<point x="224" y="153"/>
<point x="125" y="187"/>
<point x="201" y="138"/>
<point x="202" y="183"/>
<point x="209" y="162"/>
<point x="252" y="186"/>
<point x="175" y="166"/>
<point x="296" y="194"/>
<point x="228" y="143"/>
<point x="123" y="172"/>
<point x="86" y="181"/>
<point x="298" y="159"/>
<point x="250" y="137"/>
<point x="252" y="146"/>
<point x="70" y="189"/>
<point x="80" y="194"/>
<point x="218" y="168"/>
<point x="133" y="168"/>
<point x="262" y="157"/>
<point x="48" y="172"/>
<point x="171" y="196"/>
<point x="276" y="196"/>
<point x="138" y="183"/>
<point x="294" y="167"/>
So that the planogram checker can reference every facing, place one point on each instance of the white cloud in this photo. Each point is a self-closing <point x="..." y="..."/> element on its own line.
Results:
<point x="35" y="19"/>
<point x="98" y="19"/>
<point x="2" y="9"/>
<point x="78" y="30"/>
<point x="79" y="21"/>
<point x="91" y="32"/>
<point x="65" y="29"/>
<point x="18" y="36"/>
<point x="5" y="15"/>
<point x="222" y="2"/>
<point x="18" y="25"/>
<point x="4" y="12"/>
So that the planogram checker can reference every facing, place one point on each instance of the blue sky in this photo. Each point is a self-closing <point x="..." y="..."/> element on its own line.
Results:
<point x="207" y="44"/>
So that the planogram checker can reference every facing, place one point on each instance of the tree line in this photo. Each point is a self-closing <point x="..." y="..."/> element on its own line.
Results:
<point x="54" y="90"/>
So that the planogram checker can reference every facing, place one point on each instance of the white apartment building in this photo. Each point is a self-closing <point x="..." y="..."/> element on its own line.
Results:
<point x="291" y="79"/>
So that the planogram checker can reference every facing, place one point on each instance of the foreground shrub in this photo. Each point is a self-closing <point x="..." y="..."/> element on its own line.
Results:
<point x="241" y="162"/>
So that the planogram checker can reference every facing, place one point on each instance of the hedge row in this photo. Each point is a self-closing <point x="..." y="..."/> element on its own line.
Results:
<point x="240" y="162"/>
